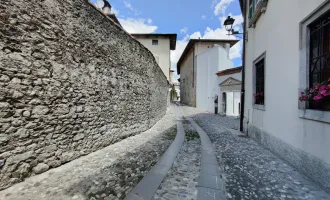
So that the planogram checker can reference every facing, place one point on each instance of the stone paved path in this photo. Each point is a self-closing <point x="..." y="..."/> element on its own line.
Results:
<point x="107" y="174"/>
<point x="251" y="171"/>
<point x="182" y="179"/>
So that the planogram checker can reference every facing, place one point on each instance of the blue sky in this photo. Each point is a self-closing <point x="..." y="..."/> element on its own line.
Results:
<point x="187" y="18"/>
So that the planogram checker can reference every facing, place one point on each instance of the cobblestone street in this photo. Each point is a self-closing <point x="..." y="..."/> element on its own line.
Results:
<point x="182" y="179"/>
<point x="248" y="170"/>
<point x="251" y="171"/>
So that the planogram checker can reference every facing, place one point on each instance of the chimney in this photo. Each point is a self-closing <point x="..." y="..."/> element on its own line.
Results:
<point x="227" y="46"/>
<point x="106" y="8"/>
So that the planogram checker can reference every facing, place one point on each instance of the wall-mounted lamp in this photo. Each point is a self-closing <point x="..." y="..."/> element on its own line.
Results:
<point x="229" y="22"/>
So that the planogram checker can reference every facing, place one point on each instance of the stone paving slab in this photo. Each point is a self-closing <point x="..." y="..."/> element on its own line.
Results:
<point x="210" y="194"/>
<point x="210" y="174"/>
<point x="181" y="181"/>
<point x="148" y="186"/>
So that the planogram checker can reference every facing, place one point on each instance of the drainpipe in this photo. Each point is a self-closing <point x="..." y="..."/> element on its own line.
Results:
<point x="193" y="80"/>
<point x="243" y="71"/>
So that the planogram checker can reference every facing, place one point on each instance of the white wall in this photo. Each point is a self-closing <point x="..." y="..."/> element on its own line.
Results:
<point x="209" y="63"/>
<point x="281" y="44"/>
<point x="160" y="51"/>
<point x="236" y="89"/>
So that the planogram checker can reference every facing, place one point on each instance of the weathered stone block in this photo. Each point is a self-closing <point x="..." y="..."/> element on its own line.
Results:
<point x="40" y="168"/>
<point x="19" y="158"/>
<point x="40" y="110"/>
<point x="22" y="171"/>
<point x="22" y="133"/>
<point x="78" y="137"/>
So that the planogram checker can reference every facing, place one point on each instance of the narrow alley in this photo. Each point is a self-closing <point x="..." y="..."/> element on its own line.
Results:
<point x="245" y="169"/>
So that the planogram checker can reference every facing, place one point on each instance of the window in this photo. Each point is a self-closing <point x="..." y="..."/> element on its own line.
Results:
<point x="253" y="4"/>
<point x="314" y="50"/>
<point x="259" y="98"/>
<point x="251" y="8"/>
<point x="319" y="53"/>
<point x="256" y="8"/>
<point x="154" y="42"/>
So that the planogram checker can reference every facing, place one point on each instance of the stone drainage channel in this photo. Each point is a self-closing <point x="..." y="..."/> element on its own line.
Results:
<point x="187" y="170"/>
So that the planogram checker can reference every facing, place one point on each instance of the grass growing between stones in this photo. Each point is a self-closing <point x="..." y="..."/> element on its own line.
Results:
<point x="170" y="133"/>
<point x="191" y="133"/>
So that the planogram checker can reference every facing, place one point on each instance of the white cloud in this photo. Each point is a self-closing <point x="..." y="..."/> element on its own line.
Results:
<point x="138" y="25"/>
<point x="184" y="30"/>
<point x="99" y="3"/>
<point x="221" y="7"/>
<point x="149" y="21"/>
<point x="128" y="5"/>
<point x="196" y="35"/>
<point x="204" y="17"/>
<point x="114" y="11"/>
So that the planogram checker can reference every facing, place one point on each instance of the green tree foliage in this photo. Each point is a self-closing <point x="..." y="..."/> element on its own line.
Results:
<point x="174" y="95"/>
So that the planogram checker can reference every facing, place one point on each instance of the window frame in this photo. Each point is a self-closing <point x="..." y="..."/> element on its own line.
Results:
<point x="304" y="63"/>
<point x="252" y="7"/>
<point x="256" y="61"/>
<point x="154" y="42"/>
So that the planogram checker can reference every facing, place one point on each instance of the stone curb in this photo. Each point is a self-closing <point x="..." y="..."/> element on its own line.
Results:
<point x="150" y="183"/>
<point x="211" y="186"/>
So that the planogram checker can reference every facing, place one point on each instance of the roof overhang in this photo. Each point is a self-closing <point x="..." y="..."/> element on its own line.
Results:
<point x="192" y="42"/>
<point x="229" y="71"/>
<point x="171" y="36"/>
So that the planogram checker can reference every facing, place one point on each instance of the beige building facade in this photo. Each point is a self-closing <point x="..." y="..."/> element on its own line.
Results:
<point x="160" y="46"/>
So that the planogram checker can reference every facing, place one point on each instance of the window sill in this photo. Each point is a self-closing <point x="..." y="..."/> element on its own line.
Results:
<point x="316" y="115"/>
<point x="259" y="107"/>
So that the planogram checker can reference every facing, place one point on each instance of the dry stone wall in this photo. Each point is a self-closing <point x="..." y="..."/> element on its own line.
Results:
<point x="72" y="82"/>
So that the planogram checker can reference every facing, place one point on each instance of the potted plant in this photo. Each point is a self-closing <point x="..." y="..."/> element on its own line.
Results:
<point x="259" y="98"/>
<point x="316" y="94"/>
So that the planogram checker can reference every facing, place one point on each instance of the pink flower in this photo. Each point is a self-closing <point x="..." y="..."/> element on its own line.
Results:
<point x="311" y="90"/>
<point x="302" y="93"/>
<point x="327" y="93"/>
<point x="316" y="86"/>
<point x="318" y="97"/>
<point x="322" y="89"/>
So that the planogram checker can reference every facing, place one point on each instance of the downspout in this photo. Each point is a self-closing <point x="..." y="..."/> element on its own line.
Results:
<point x="193" y="82"/>
<point x="243" y="71"/>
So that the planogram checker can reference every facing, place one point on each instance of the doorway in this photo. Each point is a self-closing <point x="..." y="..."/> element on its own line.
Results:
<point x="224" y="102"/>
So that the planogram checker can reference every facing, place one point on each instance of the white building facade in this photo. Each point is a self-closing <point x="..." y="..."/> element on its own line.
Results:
<point x="230" y="91"/>
<point x="287" y="50"/>
<point x="198" y="68"/>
